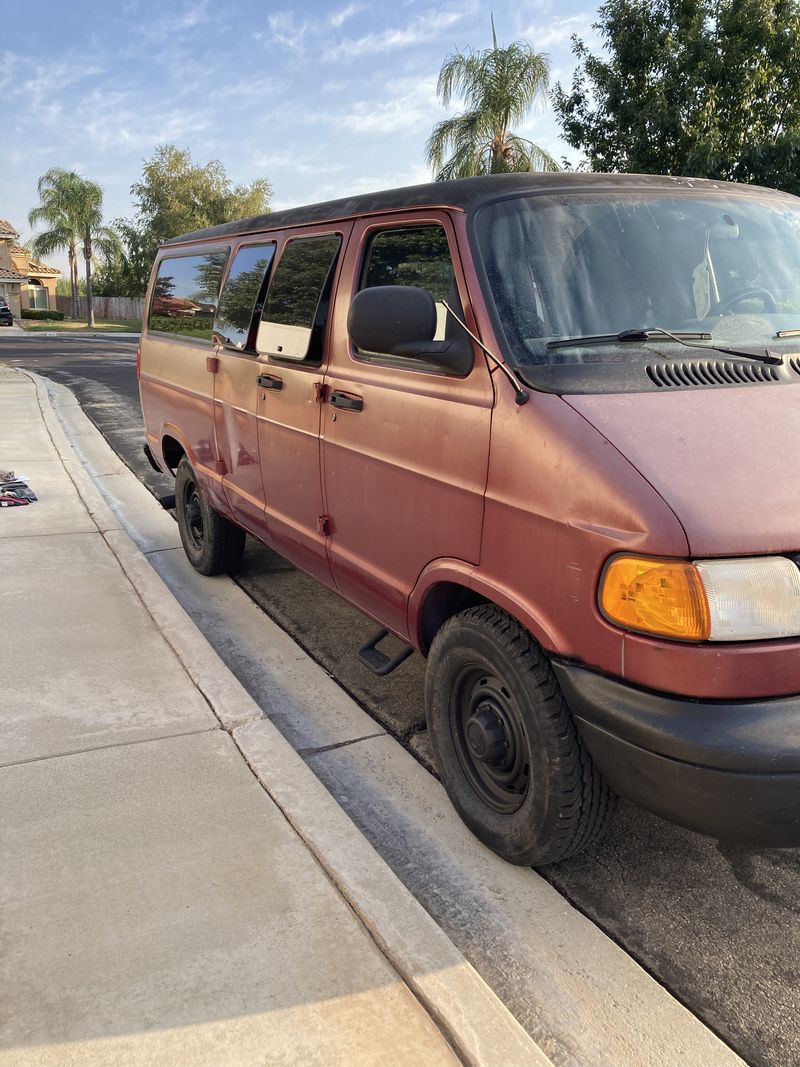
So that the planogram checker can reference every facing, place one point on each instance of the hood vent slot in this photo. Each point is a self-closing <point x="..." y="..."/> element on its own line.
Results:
<point x="688" y="373"/>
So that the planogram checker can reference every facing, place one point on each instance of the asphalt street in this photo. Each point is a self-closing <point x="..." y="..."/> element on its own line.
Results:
<point x="717" y="924"/>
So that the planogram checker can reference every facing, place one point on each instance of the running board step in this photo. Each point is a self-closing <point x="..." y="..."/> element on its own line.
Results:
<point x="167" y="502"/>
<point x="378" y="662"/>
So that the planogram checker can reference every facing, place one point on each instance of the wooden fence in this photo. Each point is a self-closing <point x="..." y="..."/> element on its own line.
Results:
<point x="105" y="307"/>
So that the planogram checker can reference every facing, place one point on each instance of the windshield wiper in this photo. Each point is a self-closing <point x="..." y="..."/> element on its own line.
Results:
<point x="651" y="333"/>
<point x="625" y="335"/>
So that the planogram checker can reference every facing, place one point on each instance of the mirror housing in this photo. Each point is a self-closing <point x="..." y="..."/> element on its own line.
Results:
<point x="400" y="320"/>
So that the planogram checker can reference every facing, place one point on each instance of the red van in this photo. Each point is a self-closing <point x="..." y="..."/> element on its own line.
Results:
<point x="542" y="429"/>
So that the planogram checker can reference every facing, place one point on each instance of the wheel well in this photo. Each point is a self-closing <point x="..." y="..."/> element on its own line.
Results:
<point x="172" y="451"/>
<point x="442" y="602"/>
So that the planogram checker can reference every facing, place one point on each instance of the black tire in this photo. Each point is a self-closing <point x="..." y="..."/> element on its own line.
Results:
<point x="506" y="745"/>
<point x="213" y="544"/>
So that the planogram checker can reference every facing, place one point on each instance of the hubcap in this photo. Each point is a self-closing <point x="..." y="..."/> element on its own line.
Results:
<point x="489" y="739"/>
<point x="486" y="736"/>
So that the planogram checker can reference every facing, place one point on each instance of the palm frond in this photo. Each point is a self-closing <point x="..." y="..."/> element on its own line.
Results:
<point x="500" y="86"/>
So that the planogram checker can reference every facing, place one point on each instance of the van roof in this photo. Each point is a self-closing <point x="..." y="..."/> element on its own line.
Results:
<point x="465" y="194"/>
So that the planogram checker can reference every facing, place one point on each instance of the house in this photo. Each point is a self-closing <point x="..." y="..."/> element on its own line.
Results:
<point x="24" y="282"/>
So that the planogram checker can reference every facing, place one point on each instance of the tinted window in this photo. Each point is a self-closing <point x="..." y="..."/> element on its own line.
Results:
<point x="242" y="288"/>
<point x="297" y="300"/>
<point x="418" y="257"/>
<point x="185" y="294"/>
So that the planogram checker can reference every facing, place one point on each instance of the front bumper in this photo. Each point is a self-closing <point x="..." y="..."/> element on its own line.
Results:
<point x="729" y="769"/>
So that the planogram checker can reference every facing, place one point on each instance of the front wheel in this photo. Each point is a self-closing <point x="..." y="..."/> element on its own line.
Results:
<point x="212" y="543"/>
<point x="505" y="742"/>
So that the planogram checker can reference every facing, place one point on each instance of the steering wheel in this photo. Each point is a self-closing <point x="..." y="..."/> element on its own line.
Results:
<point x="727" y="302"/>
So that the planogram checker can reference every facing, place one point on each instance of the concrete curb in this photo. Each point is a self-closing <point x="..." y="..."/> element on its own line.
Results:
<point x="476" y="1023"/>
<point x="18" y="332"/>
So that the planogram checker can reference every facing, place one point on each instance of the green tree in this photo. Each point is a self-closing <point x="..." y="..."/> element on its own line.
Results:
<point x="703" y="87"/>
<point x="175" y="196"/>
<point x="72" y="207"/>
<point x="500" y="87"/>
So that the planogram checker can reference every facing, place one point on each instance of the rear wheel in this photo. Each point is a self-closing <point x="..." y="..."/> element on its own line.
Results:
<point x="505" y="742"/>
<point x="213" y="544"/>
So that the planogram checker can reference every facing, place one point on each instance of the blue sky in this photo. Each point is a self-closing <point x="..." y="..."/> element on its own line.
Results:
<point x="324" y="99"/>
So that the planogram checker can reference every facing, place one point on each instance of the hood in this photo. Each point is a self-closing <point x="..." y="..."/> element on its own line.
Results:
<point x="727" y="461"/>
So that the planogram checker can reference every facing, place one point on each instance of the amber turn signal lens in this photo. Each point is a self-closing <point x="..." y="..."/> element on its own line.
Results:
<point x="656" y="596"/>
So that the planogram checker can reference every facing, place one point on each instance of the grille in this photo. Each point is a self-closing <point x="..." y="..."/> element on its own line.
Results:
<point x="688" y="373"/>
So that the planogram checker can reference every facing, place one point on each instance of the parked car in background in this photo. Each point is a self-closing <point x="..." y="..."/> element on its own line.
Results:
<point x="6" y="318"/>
<point x="542" y="428"/>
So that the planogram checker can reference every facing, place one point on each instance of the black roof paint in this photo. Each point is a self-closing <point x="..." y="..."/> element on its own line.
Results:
<point x="463" y="193"/>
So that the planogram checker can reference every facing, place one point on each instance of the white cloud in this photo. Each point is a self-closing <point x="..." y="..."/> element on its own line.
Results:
<point x="194" y="14"/>
<point x="287" y="31"/>
<point x="408" y="103"/>
<point x="557" y="32"/>
<point x="339" y="17"/>
<point x="421" y="30"/>
<point x="399" y="105"/>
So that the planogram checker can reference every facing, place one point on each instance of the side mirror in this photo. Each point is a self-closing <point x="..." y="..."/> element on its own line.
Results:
<point x="400" y="320"/>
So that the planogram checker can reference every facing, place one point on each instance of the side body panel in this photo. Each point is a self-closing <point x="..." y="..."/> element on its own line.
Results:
<point x="404" y="476"/>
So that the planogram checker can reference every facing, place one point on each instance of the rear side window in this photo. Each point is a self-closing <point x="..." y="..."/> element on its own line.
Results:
<point x="241" y="291"/>
<point x="293" y="320"/>
<point x="185" y="294"/>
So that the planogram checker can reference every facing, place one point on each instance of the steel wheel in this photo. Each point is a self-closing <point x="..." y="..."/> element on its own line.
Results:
<point x="193" y="514"/>
<point x="489" y="739"/>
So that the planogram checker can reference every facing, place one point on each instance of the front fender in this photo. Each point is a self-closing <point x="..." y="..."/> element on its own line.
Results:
<point x="466" y="575"/>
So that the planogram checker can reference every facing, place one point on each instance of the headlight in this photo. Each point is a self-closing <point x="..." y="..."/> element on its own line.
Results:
<point x="708" y="600"/>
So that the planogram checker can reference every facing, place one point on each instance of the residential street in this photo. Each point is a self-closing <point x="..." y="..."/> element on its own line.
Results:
<point x="716" y="924"/>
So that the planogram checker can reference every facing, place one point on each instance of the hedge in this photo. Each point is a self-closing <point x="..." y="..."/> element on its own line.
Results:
<point x="200" y="328"/>
<point x="42" y="313"/>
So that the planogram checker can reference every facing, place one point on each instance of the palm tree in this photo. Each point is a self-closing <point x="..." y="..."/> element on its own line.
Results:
<point x="500" y="85"/>
<point x="60" y="195"/>
<point x="73" y="208"/>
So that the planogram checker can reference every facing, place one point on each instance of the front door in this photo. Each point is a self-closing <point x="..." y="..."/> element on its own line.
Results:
<point x="405" y="447"/>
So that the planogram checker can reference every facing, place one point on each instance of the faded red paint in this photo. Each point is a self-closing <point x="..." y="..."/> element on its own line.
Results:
<point x="441" y="479"/>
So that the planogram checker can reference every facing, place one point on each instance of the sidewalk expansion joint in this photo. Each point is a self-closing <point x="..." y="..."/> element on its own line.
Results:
<point x="59" y="533"/>
<point x="338" y="744"/>
<point x="113" y="744"/>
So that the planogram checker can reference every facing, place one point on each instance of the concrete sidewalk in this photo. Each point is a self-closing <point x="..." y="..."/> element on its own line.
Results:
<point x="157" y="905"/>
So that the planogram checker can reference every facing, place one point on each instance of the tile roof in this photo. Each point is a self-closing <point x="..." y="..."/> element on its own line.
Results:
<point x="32" y="266"/>
<point x="11" y="275"/>
<point x="6" y="229"/>
<point x="41" y="268"/>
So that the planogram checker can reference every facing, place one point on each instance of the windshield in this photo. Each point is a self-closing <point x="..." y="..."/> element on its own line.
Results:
<point x="578" y="266"/>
